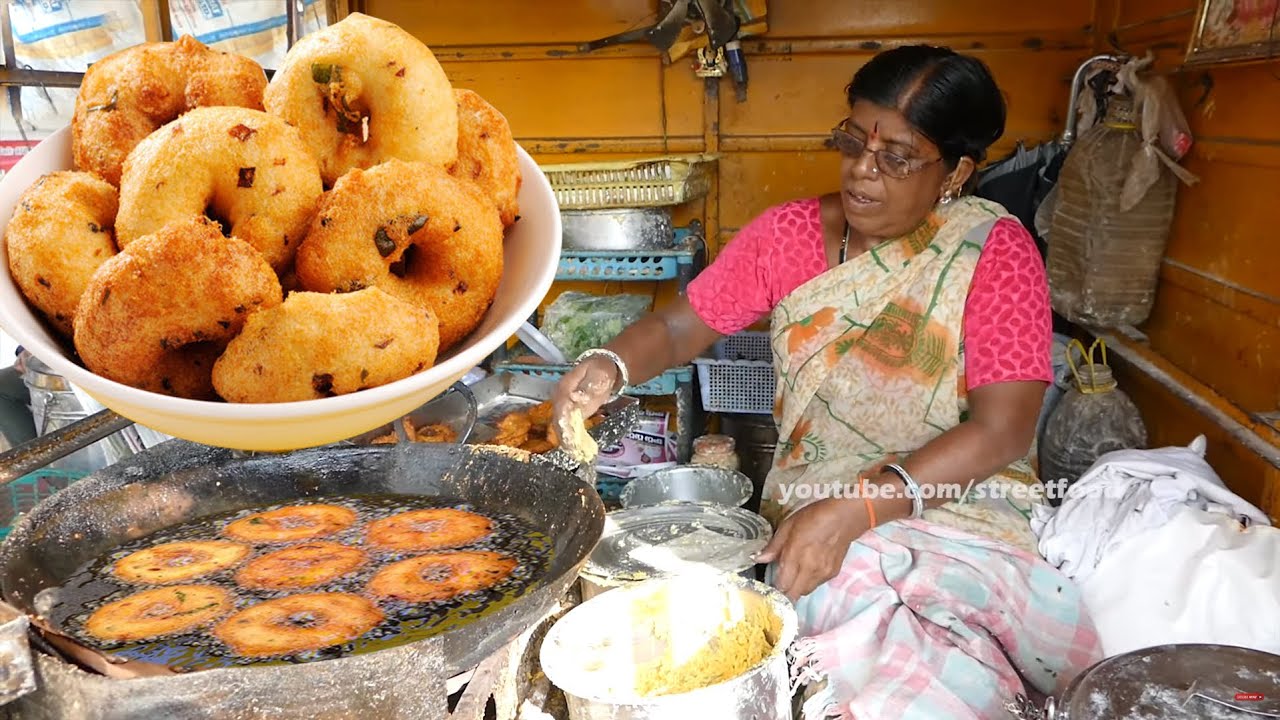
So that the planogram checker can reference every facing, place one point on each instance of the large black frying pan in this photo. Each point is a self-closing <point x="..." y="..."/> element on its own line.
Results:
<point x="179" y="481"/>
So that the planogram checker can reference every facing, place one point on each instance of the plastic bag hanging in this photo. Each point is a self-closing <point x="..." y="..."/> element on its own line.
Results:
<point x="1154" y="101"/>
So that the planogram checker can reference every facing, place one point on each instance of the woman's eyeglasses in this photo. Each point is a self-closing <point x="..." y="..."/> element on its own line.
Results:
<point x="891" y="164"/>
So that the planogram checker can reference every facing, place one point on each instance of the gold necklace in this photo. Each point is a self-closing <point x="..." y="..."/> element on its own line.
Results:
<point x="844" y="245"/>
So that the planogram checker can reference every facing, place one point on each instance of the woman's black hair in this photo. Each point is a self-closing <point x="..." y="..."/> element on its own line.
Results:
<point x="950" y="98"/>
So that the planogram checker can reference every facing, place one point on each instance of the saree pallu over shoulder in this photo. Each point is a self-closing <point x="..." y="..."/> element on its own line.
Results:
<point x="869" y="356"/>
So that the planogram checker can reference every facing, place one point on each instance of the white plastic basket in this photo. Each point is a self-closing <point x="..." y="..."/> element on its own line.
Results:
<point x="739" y="378"/>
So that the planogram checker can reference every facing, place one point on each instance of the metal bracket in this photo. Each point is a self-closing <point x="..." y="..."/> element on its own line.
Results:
<point x="710" y="64"/>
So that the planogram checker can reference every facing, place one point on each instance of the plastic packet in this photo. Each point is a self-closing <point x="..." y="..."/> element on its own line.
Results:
<point x="577" y="322"/>
<point x="650" y="446"/>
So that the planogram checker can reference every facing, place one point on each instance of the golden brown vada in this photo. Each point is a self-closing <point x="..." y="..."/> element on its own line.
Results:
<point x="430" y="529"/>
<point x="487" y="153"/>
<point x="60" y="234"/>
<point x="298" y="623"/>
<point x="301" y="566"/>
<point x="158" y="314"/>
<point x="291" y="524"/>
<point x="244" y="167"/>
<point x="441" y="576"/>
<point x="414" y="231"/>
<point x="436" y="433"/>
<point x="125" y="96"/>
<point x="363" y="91"/>
<point x="158" y="612"/>
<point x="513" y="429"/>
<point x="178" y="561"/>
<point x="318" y="345"/>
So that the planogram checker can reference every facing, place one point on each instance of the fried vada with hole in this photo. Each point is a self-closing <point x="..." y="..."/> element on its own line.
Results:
<point x="159" y="612"/>
<point x="487" y="153"/>
<point x="179" y="561"/>
<point x="126" y="96"/>
<point x="60" y="234"/>
<point x="416" y="232"/>
<point x="318" y="345"/>
<point x="247" y="169"/>
<point x="157" y="315"/>
<point x="363" y="91"/>
<point x="298" y="623"/>
<point x="291" y="524"/>
<point x="301" y="566"/>
<point x="441" y="576"/>
<point x="430" y="529"/>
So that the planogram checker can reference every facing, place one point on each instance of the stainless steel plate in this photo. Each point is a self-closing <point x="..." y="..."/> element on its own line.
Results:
<point x="1177" y="681"/>
<point x="660" y="540"/>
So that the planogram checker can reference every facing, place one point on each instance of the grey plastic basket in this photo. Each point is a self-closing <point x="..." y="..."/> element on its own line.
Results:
<point x="739" y="378"/>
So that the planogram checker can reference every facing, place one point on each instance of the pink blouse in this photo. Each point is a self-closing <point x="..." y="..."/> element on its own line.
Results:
<point x="1008" y="330"/>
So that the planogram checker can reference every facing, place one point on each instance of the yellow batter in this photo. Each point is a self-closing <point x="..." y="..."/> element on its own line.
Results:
<point x="677" y="637"/>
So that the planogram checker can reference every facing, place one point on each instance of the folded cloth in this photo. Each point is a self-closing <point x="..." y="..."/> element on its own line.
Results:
<point x="1200" y="578"/>
<point x="927" y="622"/>
<point x="1125" y="493"/>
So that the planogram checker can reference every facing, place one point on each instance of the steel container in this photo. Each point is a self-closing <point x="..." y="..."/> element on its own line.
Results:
<point x="689" y="483"/>
<point x="762" y="692"/>
<point x="621" y="229"/>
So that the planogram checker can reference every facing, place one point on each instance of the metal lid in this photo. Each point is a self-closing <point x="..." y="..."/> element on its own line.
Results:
<point x="1170" y="682"/>
<point x="659" y="540"/>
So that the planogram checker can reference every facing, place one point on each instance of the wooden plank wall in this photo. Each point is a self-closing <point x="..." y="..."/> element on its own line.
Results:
<point x="1217" y="312"/>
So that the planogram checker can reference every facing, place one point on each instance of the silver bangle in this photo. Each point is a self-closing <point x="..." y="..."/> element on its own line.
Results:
<point x="913" y="488"/>
<point x="613" y="357"/>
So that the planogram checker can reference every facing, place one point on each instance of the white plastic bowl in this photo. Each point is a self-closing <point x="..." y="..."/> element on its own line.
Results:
<point x="532" y="253"/>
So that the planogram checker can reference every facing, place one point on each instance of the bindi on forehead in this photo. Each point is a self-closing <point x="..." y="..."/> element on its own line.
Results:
<point x="905" y="143"/>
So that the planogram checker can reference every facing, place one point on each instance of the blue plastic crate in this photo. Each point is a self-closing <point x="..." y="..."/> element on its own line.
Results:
<point x="664" y="384"/>
<point x="631" y="264"/>
<point x="28" y="491"/>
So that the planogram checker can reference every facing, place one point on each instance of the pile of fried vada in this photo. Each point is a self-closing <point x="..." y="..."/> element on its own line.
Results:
<point x="225" y="237"/>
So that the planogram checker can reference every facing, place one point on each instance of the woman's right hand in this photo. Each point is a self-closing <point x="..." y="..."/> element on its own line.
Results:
<point x="586" y="388"/>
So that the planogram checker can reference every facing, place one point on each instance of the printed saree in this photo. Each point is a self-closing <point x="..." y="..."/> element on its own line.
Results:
<point x="870" y="368"/>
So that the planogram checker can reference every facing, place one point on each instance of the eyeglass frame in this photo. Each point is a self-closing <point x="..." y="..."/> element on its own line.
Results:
<point x="914" y="165"/>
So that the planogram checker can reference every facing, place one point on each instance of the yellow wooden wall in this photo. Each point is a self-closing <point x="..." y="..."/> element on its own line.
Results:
<point x="1216" y="320"/>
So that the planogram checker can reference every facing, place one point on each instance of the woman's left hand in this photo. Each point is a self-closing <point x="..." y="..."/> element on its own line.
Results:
<point x="810" y="544"/>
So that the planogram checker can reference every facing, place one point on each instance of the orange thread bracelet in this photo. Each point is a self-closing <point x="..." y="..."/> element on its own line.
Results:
<point x="871" y="510"/>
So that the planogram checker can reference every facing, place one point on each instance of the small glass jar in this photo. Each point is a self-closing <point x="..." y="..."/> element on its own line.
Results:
<point x="715" y="451"/>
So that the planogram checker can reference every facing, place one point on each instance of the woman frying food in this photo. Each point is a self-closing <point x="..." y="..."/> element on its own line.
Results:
<point x="911" y="336"/>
